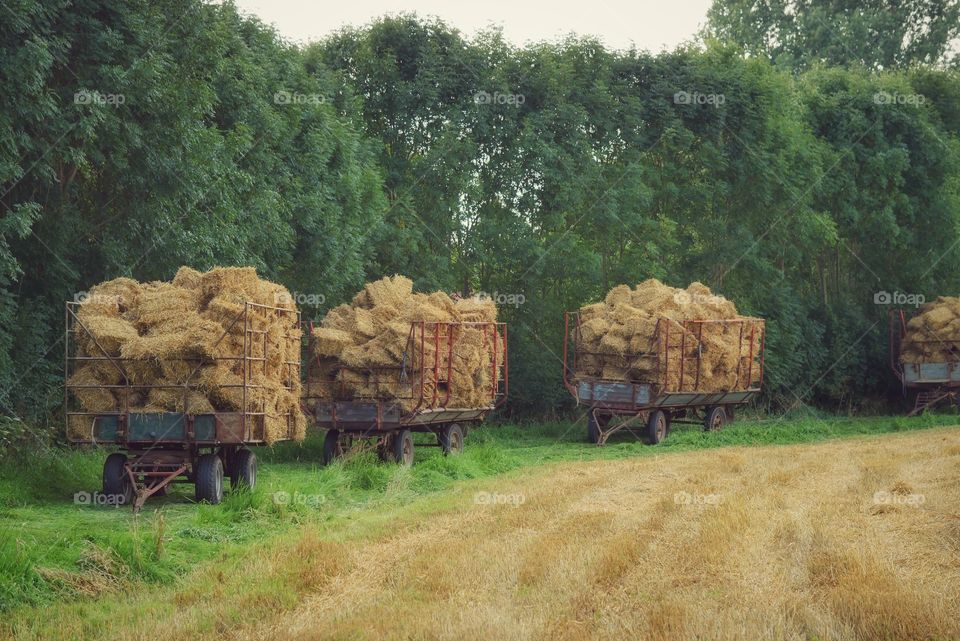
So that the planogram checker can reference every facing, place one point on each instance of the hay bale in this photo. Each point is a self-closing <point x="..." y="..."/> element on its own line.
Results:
<point x="111" y="298"/>
<point x="187" y="332"/>
<point x="179" y="400"/>
<point x="362" y="346"/>
<point x="86" y="387"/>
<point x="632" y="333"/>
<point x="933" y="335"/>
<point x="101" y="335"/>
<point x="328" y="341"/>
<point x="188" y="278"/>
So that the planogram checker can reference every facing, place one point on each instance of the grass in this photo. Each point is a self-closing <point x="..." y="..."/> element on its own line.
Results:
<point x="53" y="552"/>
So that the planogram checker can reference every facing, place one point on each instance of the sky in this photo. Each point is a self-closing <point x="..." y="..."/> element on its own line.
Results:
<point x="648" y="24"/>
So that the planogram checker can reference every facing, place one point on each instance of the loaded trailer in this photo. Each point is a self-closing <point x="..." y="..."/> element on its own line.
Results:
<point x="673" y="390"/>
<point x="159" y="448"/>
<point x="929" y="382"/>
<point x="416" y="396"/>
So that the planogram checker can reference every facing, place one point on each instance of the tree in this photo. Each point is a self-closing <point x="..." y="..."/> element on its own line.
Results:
<point x="877" y="34"/>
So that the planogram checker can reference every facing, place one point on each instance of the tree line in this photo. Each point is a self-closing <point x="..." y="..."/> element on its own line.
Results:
<point x="800" y="177"/>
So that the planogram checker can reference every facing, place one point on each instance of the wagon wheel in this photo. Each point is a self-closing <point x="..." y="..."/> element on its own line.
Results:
<point x="209" y="479"/>
<point x="116" y="482"/>
<point x="656" y="427"/>
<point x="451" y="439"/>
<point x="332" y="447"/>
<point x="244" y="472"/>
<point x="385" y="448"/>
<point x="715" y="419"/>
<point x="403" y="447"/>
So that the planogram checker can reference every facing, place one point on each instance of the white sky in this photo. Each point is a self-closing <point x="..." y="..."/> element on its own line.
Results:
<point x="648" y="24"/>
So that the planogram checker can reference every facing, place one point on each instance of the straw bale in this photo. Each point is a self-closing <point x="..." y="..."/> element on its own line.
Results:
<point x="376" y="347"/>
<point x="173" y="400"/>
<point x="933" y="335"/>
<point x="111" y="298"/>
<point x="187" y="331"/>
<point x="328" y="341"/>
<point x="188" y="277"/>
<point x="91" y="399"/>
<point x="631" y="333"/>
<point x="103" y="335"/>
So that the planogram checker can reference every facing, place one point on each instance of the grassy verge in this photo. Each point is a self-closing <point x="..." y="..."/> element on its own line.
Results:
<point x="55" y="551"/>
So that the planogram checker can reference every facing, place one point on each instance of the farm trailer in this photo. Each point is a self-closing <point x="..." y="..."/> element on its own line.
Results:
<point x="381" y="417"/>
<point x="931" y="383"/>
<point x="653" y="404"/>
<point x="161" y="448"/>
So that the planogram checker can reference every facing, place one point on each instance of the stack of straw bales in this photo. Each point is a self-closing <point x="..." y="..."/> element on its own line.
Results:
<point x="625" y="338"/>
<point x="190" y="333"/>
<point x="933" y="335"/>
<point x="360" y="349"/>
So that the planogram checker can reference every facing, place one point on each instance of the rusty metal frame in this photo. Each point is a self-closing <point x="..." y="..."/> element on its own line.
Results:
<point x="660" y="351"/>
<point x="430" y="407"/>
<point x="249" y="419"/>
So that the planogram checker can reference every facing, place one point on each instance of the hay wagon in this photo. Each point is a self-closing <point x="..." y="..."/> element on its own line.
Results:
<point x="930" y="380"/>
<point x="158" y="448"/>
<point x="416" y="396"/>
<point x="672" y="388"/>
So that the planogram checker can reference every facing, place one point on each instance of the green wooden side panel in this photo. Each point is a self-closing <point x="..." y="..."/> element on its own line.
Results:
<point x="205" y="427"/>
<point x="106" y="428"/>
<point x="160" y="426"/>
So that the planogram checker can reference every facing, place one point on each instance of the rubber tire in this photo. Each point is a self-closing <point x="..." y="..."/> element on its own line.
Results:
<point x="657" y="427"/>
<point x="385" y="449"/>
<point x="403" y="447"/>
<point x="332" y="450"/>
<point x="244" y="470"/>
<point x="451" y="440"/>
<point x="593" y="429"/>
<point x="715" y="419"/>
<point x="115" y="479"/>
<point x="208" y="479"/>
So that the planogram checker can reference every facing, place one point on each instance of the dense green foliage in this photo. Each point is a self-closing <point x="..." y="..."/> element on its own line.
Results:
<point x="879" y="34"/>
<point x="139" y="136"/>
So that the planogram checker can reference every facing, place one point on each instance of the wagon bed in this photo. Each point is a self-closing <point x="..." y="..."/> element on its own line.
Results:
<point x="650" y="406"/>
<point x="161" y="448"/>
<point x="382" y="419"/>
<point x="931" y="383"/>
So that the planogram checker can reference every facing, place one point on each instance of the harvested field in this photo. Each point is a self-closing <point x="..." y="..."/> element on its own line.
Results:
<point x="855" y="539"/>
<point x="648" y="334"/>
<point x="179" y="346"/>
<point x="360" y="348"/>
<point x="933" y="335"/>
